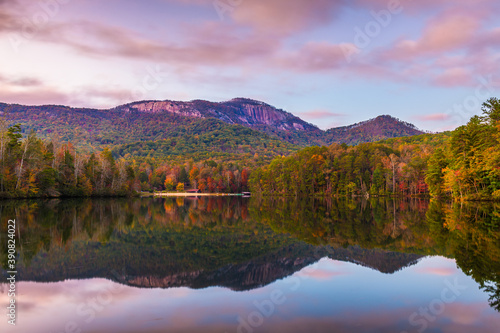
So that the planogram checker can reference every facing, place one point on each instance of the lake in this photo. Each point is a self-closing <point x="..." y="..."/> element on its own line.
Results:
<point x="244" y="265"/>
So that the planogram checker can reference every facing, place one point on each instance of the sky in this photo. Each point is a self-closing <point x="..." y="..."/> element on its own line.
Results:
<point x="331" y="62"/>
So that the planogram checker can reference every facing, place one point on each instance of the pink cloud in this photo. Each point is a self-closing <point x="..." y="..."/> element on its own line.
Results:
<point x="285" y="16"/>
<point x="446" y="32"/>
<point x="315" y="56"/>
<point x="316" y="114"/>
<point x="423" y="5"/>
<point x="38" y="96"/>
<point x="434" y="117"/>
<point x="276" y="17"/>
<point x="210" y="43"/>
<point x="454" y="77"/>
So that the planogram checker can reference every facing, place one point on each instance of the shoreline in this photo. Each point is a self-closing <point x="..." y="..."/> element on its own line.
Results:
<point x="184" y="194"/>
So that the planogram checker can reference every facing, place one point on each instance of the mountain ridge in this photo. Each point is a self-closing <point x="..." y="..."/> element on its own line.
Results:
<point x="239" y="111"/>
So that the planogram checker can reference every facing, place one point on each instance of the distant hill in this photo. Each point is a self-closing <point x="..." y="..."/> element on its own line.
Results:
<point x="380" y="128"/>
<point x="162" y="120"/>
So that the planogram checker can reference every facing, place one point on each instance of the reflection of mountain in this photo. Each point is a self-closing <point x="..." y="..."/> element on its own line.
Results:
<point x="244" y="244"/>
<point x="95" y="260"/>
<point x="265" y="270"/>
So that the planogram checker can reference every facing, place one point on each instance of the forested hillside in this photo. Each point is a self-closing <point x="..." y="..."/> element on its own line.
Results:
<point x="396" y="166"/>
<point x="380" y="128"/>
<point x="463" y="164"/>
<point x="36" y="168"/>
<point x="468" y="168"/>
<point x="209" y="138"/>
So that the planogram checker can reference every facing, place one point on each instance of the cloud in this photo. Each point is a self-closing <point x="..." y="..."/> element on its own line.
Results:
<point x="35" y="97"/>
<point x="20" y="81"/>
<point x="315" y="56"/>
<point x="271" y="37"/>
<point x="29" y="90"/>
<point x="33" y="91"/>
<point x="454" y="77"/>
<point x="208" y="44"/>
<point x="318" y="114"/>
<point x="454" y="47"/>
<point x="275" y="17"/>
<point x="285" y="16"/>
<point x="447" y="32"/>
<point x="434" y="117"/>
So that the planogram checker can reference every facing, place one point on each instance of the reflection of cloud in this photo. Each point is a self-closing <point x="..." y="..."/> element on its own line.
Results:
<point x="320" y="274"/>
<point x="380" y="319"/>
<point x="324" y="269"/>
<point x="441" y="271"/>
<point x="217" y="310"/>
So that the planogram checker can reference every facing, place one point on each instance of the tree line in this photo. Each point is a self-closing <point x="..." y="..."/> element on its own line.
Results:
<point x="31" y="167"/>
<point x="208" y="176"/>
<point x="468" y="168"/>
<point x="463" y="164"/>
<point x="363" y="170"/>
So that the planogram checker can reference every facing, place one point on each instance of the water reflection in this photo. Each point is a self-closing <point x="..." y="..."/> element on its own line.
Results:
<point x="469" y="233"/>
<point x="257" y="246"/>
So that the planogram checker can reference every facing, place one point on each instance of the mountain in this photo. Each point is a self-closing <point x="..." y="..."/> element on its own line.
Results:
<point x="159" y="120"/>
<point x="241" y="111"/>
<point x="380" y="128"/>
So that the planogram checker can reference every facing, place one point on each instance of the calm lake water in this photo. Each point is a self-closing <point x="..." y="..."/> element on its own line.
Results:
<point x="248" y="265"/>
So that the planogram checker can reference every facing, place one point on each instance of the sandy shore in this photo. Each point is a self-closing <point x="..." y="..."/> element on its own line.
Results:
<point x="194" y="194"/>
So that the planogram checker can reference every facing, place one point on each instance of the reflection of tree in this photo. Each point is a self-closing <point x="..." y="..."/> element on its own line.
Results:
<point x="206" y="233"/>
<point x="397" y="225"/>
<point x="179" y="234"/>
<point x="494" y="291"/>
<point x="469" y="233"/>
<point x="474" y="241"/>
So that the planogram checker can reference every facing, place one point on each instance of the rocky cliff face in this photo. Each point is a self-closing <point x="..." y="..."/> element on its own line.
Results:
<point x="240" y="111"/>
<point x="179" y="108"/>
